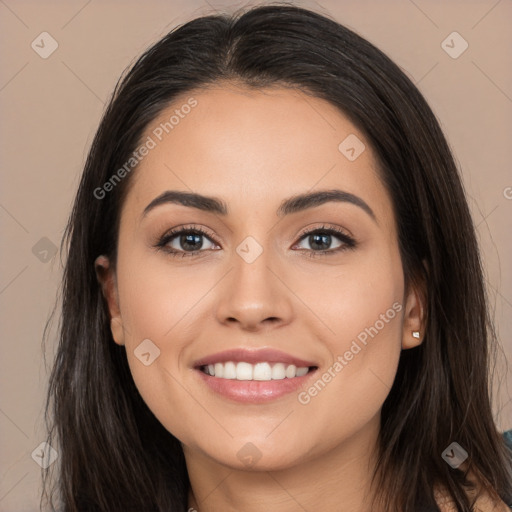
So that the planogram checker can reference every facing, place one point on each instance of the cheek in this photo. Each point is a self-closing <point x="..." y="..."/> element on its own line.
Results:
<point x="360" y="300"/>
<point x="155" y="298"/>
<point x="163" y="306"/>
<point x="363" y="309"/>
<point x="349" y="392"/>
<point x="365" y="324"/>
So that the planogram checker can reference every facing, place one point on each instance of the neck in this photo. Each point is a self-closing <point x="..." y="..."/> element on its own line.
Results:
<point x="339" y="479"/>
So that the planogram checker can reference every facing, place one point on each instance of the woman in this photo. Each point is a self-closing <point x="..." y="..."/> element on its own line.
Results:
<point x="273" y="297"/>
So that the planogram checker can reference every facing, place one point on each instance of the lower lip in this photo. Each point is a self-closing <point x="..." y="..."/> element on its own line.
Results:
<point x="254" y="391"/>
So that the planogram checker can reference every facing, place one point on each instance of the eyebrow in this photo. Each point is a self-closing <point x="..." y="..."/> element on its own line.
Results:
<point x="289" y="206"/>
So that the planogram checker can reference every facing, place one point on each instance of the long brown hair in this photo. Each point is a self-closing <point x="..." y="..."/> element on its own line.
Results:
<point x="114" y="454"/>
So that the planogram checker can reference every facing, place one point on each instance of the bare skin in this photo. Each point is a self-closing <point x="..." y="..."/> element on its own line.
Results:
<point x="252" y="150"/>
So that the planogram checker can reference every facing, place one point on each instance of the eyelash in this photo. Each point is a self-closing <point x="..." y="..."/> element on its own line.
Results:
<point x="348" y="242"/>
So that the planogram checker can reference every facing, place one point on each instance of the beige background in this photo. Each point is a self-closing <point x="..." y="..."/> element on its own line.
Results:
<point x="50" y="109"/>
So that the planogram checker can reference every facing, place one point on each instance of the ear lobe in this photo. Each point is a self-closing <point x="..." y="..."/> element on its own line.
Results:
<point x="414" y="318"/>
<point x="107" y="278"/>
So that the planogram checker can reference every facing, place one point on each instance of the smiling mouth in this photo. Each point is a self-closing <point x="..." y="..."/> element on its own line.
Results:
<point x="263" y="371"/>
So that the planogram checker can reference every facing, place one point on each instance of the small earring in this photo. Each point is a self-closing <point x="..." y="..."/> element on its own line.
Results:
<point x="416" y="334"/>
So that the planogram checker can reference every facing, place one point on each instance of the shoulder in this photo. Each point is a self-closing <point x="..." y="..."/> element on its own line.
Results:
<point x="508" y="438"/>
<point x="482" y="504"/>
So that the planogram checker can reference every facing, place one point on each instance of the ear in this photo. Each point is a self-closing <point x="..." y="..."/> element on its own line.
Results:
<point x="414" y="316"/>
<point x="107" y="278"/>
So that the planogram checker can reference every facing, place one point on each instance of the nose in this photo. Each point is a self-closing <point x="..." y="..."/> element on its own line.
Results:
<point x="254" y="296"/>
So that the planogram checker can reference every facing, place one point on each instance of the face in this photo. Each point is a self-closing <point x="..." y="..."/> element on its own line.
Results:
<point x="255" y="287"/>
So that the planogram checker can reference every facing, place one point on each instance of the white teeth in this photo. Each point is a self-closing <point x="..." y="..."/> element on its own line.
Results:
<point x="243" y="371"/>
<point x="301" y="372"/>
<point x="219" y="369"/>
<point x="230" y="370"/>
<point x="260" y="371"/>
<point x="278" y="371"/>
<point x="290" y="371"/>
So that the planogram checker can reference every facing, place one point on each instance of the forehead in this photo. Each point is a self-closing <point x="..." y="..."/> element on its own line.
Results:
<point x="255" y="147"/>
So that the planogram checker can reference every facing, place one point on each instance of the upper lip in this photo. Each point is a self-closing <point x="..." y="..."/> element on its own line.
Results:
<point x="268" y="355"/>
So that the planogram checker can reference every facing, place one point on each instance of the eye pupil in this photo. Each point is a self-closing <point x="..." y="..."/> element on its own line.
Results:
<point x="319" y="239"/>
<point x="185" y="240"/>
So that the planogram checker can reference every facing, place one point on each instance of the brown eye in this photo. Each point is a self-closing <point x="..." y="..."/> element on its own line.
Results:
<point x="185" y="241"/>
<point x="320" y="241"/>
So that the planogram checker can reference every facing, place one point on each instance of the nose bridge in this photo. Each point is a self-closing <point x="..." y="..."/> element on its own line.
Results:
<point x="253" y="293"/>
